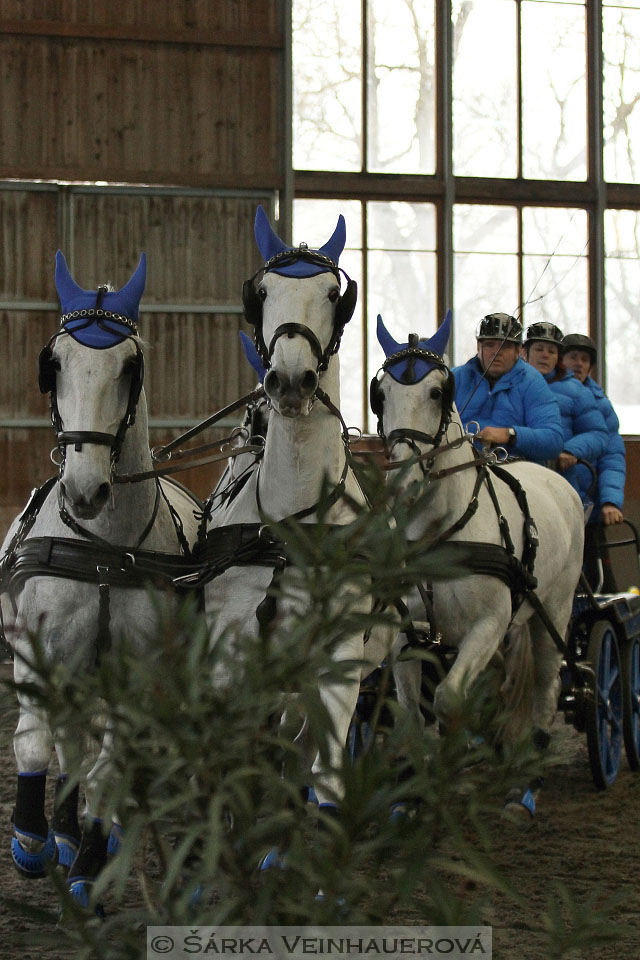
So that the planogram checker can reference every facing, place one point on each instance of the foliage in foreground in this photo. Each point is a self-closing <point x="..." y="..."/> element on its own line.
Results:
<point x="207" y="779"/>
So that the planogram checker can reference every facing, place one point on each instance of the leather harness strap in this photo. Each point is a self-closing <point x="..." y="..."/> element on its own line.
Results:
<point x="87" y="562"/>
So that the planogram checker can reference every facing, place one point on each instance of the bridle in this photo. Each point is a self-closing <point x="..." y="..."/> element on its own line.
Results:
<point x="253" y="300"/>
<point x="411" y="437"/>
<point x="407" y="435"/>
<point x="47" y="370"/>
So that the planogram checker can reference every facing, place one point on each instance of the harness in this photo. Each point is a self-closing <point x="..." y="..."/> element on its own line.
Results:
<point x="90" y="559"/>
<point x="489" y="559"/>
<point x="254" y="544"/>
<point x="257" y="544"/>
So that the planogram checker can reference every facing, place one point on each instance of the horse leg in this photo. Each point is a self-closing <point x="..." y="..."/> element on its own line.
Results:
<point x="547" y="660"/>
<point x="94" y="842"/>
<point x="475" y="649"/>
<point x="546" y="689"/>
<point x="407" y="677"/>
<point x="64" y="823"/>
<point x="339" y="700"/>
<point x="33" y="845"/>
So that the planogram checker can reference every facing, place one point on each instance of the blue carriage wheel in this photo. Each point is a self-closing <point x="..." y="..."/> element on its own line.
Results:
<point x="603" y="714"/>
<point x="630" y="655"/>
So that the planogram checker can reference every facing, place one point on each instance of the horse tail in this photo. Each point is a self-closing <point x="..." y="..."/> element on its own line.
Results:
<point x="517" y="688"/>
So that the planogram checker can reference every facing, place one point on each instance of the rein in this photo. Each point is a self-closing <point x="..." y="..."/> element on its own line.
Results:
<point x="257" y="449"/>
<point x="161" y="454"/>
<point x="169" y="452"/>
<point x="429" y="457"/>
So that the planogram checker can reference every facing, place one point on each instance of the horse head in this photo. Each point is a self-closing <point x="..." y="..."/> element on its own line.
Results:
<point x="298" y="313"/>
<point x="413" y="397"/>
<point x="93" y="370"/>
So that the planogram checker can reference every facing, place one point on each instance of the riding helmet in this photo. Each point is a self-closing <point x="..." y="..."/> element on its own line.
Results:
<point x="578" y="341"/>
<point x="499" y="326"/>
<point x="543" y="331"/>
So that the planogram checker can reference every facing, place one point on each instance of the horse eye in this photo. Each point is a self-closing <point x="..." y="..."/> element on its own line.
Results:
<point x="436" y="393"/>
<point x="262" y="293"/>
<point x="129" y="367"/>
<point x="333" y="294"/>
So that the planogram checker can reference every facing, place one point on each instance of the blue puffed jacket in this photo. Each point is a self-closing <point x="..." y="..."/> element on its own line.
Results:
<point x="585" y="431"/>
<point x="520" y="399"/>
<point x="611" y="465"/>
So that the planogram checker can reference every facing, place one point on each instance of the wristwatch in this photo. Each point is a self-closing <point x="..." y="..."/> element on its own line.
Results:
<point x="512" y="435"/>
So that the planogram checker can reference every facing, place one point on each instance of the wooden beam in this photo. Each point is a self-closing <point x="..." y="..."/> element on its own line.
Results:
<point x="146" y="34"/>
<point x="367" y="186"/>
<point x="415" y="188"/>
<point x="59" y="174"/>
<point x="623" y="196"/>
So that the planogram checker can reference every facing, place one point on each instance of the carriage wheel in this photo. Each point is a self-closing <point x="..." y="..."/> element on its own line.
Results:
<point x="604" y="709"/>
<point x="631" y="701"/>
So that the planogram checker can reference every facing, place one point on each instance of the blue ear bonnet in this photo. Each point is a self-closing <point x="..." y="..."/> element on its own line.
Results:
<point x="99" y="318"/>
<point x="252" y="355"/>
<point x="274" y="249"/>
<point x="410" y="362"/>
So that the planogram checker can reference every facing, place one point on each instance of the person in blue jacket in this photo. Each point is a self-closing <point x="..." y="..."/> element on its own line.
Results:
<point x="506" y="396"/>
<point x="579" y="355"/>
<point x="585" y="432"/>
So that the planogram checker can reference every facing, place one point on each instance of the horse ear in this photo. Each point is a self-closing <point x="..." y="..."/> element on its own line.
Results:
<point x="130" y="295"/>
<point x="269" y="243"/>
<point x="335" y="245"/>
<point x="252" y="355"/>
<point x="66" y="286"/>
<point x="440" y="339"/>
<point x="385" y="339"/>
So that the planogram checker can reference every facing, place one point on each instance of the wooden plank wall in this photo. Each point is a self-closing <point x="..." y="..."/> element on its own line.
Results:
<point x="162" y="92"/>
<point x="174" y="93"/>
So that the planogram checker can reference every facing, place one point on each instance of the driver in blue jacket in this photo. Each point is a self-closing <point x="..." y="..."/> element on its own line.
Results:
<point x="510" y="400"/>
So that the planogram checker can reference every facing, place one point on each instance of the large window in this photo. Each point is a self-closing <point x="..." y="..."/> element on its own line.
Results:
<point x="482" y="152"/>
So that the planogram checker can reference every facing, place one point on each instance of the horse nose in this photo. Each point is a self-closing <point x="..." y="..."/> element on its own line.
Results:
<point x="101" y="495"/>
<point x="86" y="506"/>
<point x="294" y="389"/>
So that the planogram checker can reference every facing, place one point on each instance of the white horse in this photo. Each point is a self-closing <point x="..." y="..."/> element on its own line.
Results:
<point x="414" y="401"/>
<point x="77" y="564"/>
<point x="299" y="314"/>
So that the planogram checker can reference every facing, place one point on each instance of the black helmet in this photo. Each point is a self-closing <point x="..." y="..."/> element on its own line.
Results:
<point x="578" y="341"/>
<point x="543" y="331"/>
<point x="499" y="326"/>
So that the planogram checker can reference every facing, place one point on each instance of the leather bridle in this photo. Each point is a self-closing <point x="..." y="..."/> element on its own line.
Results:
<point x="47" y="380"/>
<point x="409" y="435"/>
<point x="253" y="307"/>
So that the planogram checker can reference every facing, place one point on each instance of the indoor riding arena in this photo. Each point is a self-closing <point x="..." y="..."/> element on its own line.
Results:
<point x="320" y="478"/>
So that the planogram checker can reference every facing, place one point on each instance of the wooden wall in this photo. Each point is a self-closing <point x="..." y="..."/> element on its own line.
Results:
<point x="180" y="103"/>
<point x="166" y="92"/>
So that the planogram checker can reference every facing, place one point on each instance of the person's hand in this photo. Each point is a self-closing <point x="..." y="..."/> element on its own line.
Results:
<point x="494" y="436"/>
<point x="610" y="514"/>
<point x="566" y="460"/>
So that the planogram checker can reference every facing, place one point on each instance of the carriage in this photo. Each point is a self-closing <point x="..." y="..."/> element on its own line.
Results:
<point x="600" y="673"/>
